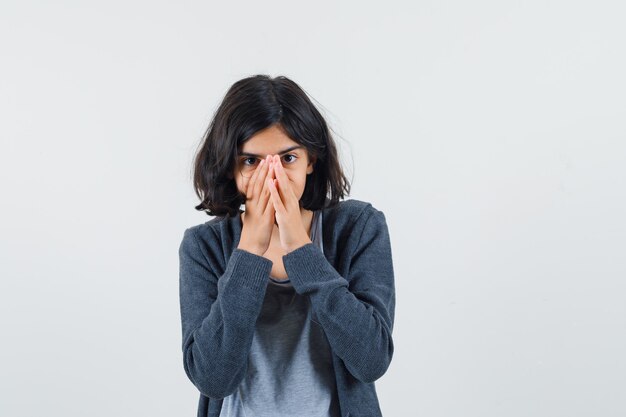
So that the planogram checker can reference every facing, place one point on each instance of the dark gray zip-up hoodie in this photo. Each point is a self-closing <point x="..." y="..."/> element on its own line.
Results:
<point x="350" y="286"/>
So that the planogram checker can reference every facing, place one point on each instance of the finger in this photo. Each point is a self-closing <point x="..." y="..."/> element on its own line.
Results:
<point x="278" y="204"/>
<point x="260" y="179"/>
<point x="265" y="192"/>
<point x="250" y="183"/>
<point x="269" y="204"/>
<point x="284" y="188"/>
<point x="268" y="174"/>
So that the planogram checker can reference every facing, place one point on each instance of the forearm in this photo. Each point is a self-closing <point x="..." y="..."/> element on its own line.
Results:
<point x="358" y="332"/>
<point x="216" y="350"/>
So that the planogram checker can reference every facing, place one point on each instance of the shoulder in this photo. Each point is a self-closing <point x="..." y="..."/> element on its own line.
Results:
<point x="350" y="226"/>
<point x="351" y="213"/>
<point x="210" y="226"/>
<point x="207" y="240"/>
<point x="209" y="230"/>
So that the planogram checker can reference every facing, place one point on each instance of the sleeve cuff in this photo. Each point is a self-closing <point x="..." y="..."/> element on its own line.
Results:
<point x="308" y="269"/>
<point x="247" y="271"/>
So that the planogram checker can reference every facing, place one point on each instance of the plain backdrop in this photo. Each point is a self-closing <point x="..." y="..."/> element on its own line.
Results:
<point x="490" y="133"/>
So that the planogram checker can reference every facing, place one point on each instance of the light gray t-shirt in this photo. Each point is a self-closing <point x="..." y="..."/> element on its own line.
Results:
<point x="290" y="371"/>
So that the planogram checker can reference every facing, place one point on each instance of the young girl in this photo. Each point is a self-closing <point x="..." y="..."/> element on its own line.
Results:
<point x="287" y="307"/>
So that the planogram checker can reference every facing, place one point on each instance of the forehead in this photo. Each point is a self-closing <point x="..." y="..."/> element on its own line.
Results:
<point x="271" y="140"/>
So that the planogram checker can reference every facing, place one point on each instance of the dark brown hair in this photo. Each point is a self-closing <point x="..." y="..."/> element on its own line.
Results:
<point x="253" y="104"/>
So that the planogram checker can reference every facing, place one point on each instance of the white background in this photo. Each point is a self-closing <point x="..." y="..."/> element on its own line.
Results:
<point x="490" y="133"/>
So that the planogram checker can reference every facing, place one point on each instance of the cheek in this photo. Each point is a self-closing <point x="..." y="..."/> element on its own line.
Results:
<point x="297" y="178"/>
<point x="296" y="173"/>
<point x="241" y="183"/>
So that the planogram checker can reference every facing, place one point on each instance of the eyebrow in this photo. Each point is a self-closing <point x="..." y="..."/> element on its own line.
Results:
<point x="284" y="151"/>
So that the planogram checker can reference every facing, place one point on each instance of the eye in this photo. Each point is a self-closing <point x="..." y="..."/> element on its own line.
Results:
<point x="245" y="160"/>
<point x="293" y="156"/>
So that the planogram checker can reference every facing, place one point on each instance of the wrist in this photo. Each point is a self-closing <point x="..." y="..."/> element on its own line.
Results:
<point x="255" y="249"/>
<point x="299" y="244"/>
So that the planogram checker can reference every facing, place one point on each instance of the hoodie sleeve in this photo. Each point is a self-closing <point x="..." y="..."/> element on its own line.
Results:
<point x="218" y="315"/>
<point x="357" y="311"/>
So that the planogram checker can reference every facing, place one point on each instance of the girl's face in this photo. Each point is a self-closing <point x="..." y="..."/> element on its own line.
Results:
<point x="273" y="141"/>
